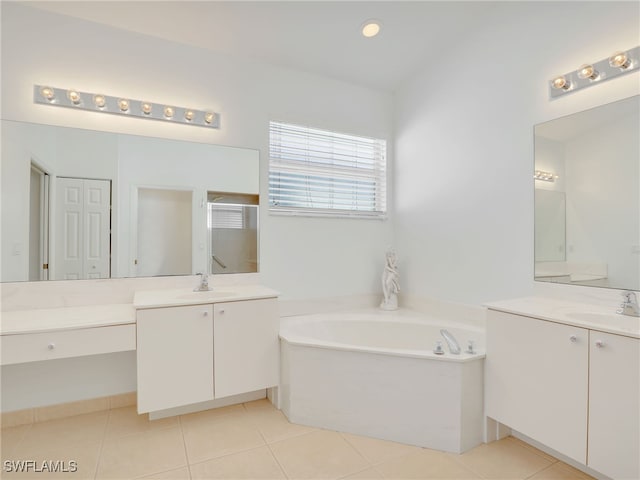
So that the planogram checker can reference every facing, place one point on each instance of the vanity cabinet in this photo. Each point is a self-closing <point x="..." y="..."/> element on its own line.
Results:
<point x="246" y="348"/>
<point x="614" y="405"/>
<point x="175" y="356"/>
<point x="197" y="353"/>
<point x="573" y="389"/>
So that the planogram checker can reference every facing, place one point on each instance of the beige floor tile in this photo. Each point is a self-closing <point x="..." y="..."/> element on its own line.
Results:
<point x="64" y="410"/>
<point x="378" y="451"/>
<point x="87" y="428"/>
<point x="262" y="404"/>
<point x="77" y="460"/>
<point x="252" y="464"/>
<point x="561" y="471"/>
<point x="368" y="474"/>
<point x="11" y="437"/>
<point x="179" y="474"/>
<point x="273" y="425"/>
<point x="213" y="414"/>
<point x="517" y="441"/>
<point x="125" y="421"/>
<point x="142" y="454"/>
<point x="425" y="464"/>
<point x="320" y="454"/>
<point x="19" y="417"/>
<point x="503" y="459"/>
<point x="224" y="436"/>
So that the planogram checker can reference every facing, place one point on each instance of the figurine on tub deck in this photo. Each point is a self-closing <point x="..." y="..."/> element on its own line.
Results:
<point x="390" y="285"/>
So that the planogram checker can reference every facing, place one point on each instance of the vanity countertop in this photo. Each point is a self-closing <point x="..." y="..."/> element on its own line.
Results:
<point x="602" y="318"/>
<point x="65" y="318"/>
<point x="186" y="296"/>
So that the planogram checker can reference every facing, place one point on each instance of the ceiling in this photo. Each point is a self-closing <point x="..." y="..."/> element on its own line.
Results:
<point x="320" y="37"/>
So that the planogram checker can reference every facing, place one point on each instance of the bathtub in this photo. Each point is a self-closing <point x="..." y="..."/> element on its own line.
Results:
<point x="375" y="374"/>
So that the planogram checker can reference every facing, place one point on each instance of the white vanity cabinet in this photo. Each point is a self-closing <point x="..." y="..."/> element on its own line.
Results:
<point x="573" y="389"/>
<point x="537" y="380"/>
<point x="189" y="354"/>
<point x="246" y="348"/>
<point x="175" y="356"/>
<point x="614" y="405"/>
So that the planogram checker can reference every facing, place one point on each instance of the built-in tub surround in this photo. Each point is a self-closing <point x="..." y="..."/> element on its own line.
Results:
<point x="374" y="373"/>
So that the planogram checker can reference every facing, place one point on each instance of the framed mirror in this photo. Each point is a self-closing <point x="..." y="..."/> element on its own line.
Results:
<point x="587" y="197"/>
<point x="81" y="204"/>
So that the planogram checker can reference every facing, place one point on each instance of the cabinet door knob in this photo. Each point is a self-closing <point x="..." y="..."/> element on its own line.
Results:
<point x="222" y="311"/>
<point x="205" y="313"/>
<point x="51" y="346"/>
<point x="573" y="338"/>
<point x="599" y="344"/>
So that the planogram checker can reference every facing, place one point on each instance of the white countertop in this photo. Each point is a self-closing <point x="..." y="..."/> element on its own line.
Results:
<point x="65" y="318"/>
<point x="186" y="296"/>
<point x="595" y="317"/>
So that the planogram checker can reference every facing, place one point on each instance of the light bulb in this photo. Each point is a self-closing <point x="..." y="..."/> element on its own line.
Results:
<point x="188" y="115"/>
<point x="371" y="28"/>
<point x="73" y="96"/>
<point x="208" y="117"/>
<point x="560" y="83"/>
<point x="99" y="100"/>
<point x="123" y="105"/>
<point x="619" y="60"/>
<point x="146" y="108"/>
<point x="168" y="112"/>
<point x="587" y="71"/>
<point x="48" y="93"/>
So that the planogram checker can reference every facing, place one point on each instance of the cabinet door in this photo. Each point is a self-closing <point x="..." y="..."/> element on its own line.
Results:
<point x="614" y="405"/>
<point x="246" y="346"/>
<point x="537" y="380"/>
<point x="175" y="356"/>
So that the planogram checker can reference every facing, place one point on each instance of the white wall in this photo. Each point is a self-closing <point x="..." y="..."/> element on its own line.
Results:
<point x="464" y="138"/>
<point x="301" y="257"/>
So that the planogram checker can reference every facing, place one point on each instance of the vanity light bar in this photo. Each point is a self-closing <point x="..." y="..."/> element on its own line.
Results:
<point x="97" y="102"/>
<point x="589" y="74"/>
<point x="544" y="176"/>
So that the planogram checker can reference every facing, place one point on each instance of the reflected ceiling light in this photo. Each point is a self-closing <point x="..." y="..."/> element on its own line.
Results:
<point x="590" y="74"/>
<point x="545" y="176"/>
<point x="48" y="93"/>
<point x="99" y="102"/>
<point x="587" y="71"/>
<point x="73" y="96"/>
<point x="371" y="28"/>
<point x="619" y="60"/>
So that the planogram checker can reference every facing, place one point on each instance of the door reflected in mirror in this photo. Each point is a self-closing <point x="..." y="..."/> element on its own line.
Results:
<point x="590" y="181"/>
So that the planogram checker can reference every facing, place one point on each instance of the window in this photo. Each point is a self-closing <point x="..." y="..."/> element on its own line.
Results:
<point x="316" y="172"/>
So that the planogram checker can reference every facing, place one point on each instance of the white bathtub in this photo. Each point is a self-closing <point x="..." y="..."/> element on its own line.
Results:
<point x="375" y="374"/>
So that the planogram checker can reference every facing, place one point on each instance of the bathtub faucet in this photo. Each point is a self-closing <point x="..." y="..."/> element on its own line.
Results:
<point x="630" y="305"/>
<point x="454" y="347"/>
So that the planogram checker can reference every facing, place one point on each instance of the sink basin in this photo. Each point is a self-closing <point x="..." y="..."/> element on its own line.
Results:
<point x="211" y="294"/>
<point x="593" y="317"/>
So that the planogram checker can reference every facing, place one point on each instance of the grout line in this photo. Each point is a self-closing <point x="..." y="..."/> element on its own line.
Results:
<point x="274" y="456"/>
<point x="355" y="448"/>
<point x="104" y="437"/>
<point x="184" y="446"/>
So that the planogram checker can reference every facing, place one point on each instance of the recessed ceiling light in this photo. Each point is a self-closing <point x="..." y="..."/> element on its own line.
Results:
<point x="371" y="28"/>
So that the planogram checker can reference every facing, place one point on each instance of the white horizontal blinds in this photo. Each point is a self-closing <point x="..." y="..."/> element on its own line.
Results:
<point x="316" y="171"/>
<point x="225" y="216"/>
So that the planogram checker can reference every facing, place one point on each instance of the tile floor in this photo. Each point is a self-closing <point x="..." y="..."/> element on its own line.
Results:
<point x="251" y="441"/>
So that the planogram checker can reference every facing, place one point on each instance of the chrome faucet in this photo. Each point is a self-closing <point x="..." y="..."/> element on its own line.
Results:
<point x="630" y="305"/>
<point x="204" y="283"/>
<point x="454" y="347"/>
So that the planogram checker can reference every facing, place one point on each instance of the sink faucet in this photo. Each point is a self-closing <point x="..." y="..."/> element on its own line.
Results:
<point x="204" y="283"/>
<point x="454" y="347"/>
<point x="630" y="305"/>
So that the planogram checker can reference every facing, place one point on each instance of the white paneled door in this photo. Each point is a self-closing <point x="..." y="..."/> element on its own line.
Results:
<point x="82" y="229"/>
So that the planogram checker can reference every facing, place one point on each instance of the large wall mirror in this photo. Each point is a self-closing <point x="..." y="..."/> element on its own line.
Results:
<point x="81" y="204"/>
<point x="587" y="197"/>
